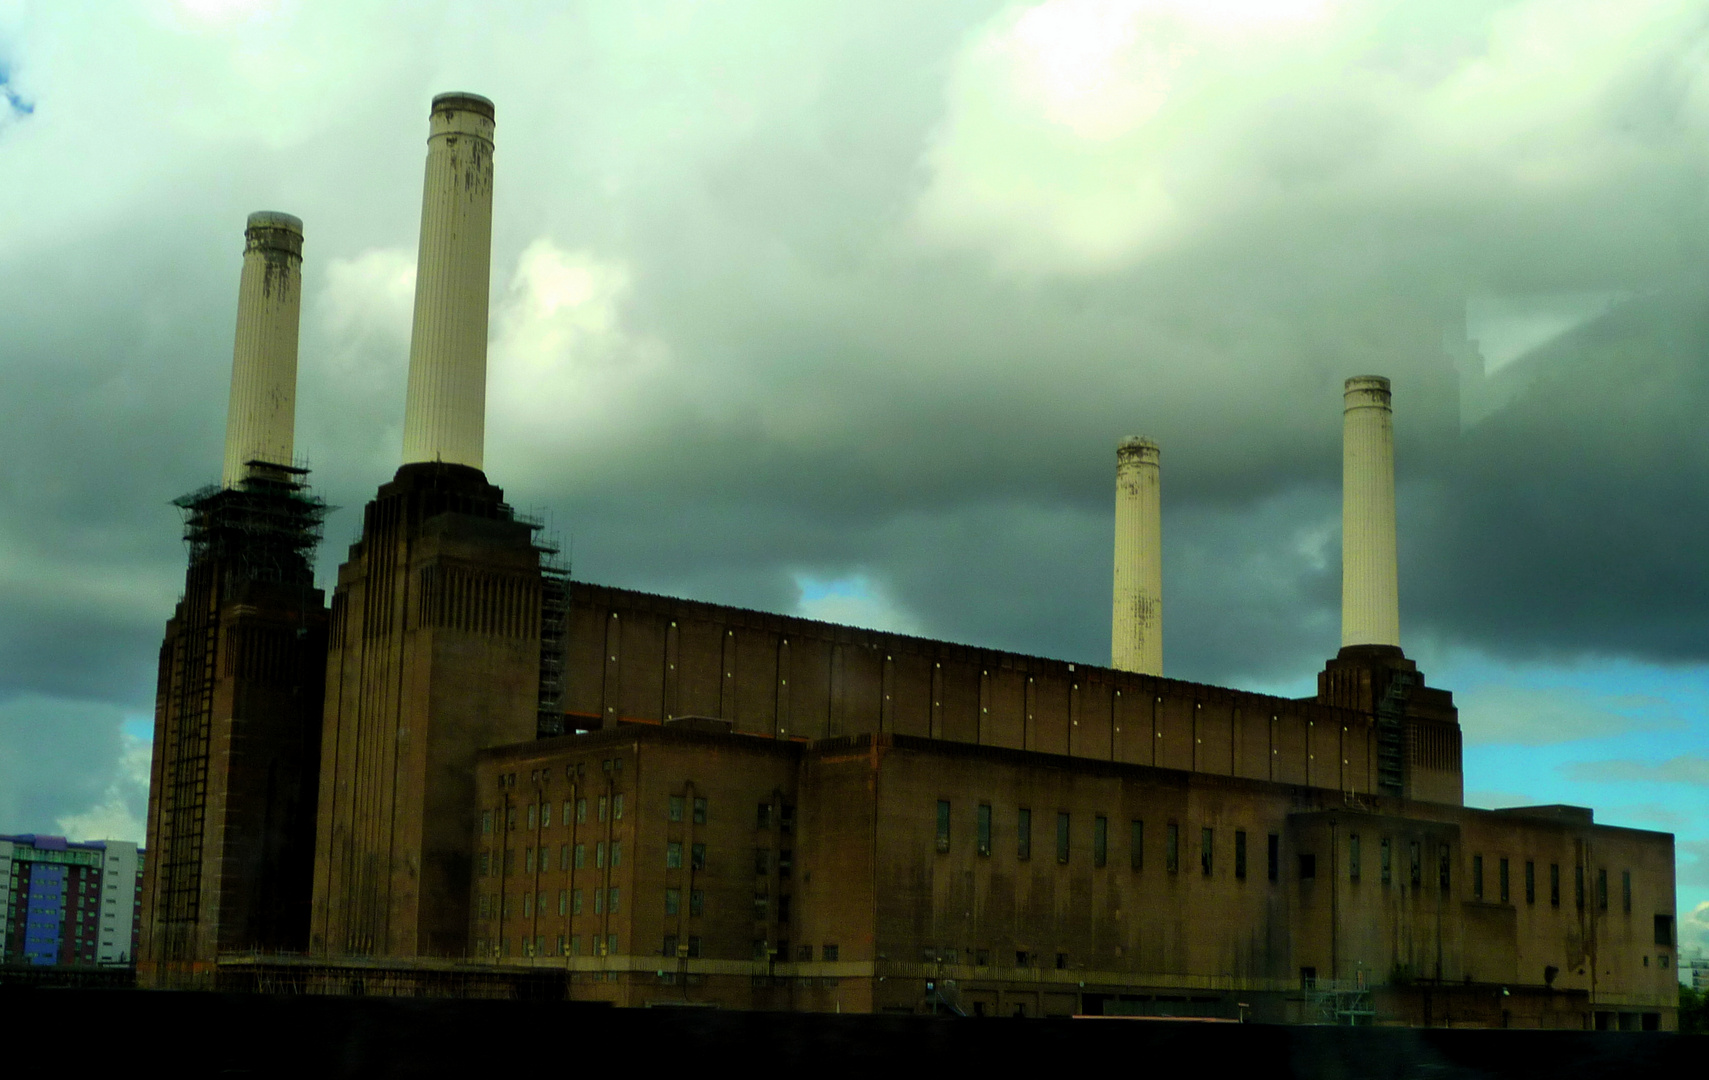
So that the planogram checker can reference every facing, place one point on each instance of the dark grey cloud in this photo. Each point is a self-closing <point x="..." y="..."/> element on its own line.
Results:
<point x="783" y="294"/>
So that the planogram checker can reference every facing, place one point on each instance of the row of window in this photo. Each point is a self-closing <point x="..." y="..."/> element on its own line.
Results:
<point x="570" y="902"/>
<point x="576" y="857"/>
<point x="541" y="945"/>
<point x="539" y="815"/>
<point x="1101" y="841"/>
<point x="572" y="772"/>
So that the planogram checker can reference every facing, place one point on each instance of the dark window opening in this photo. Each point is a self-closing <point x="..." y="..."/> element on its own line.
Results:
<point x="943" y="825"/>
<point x="1501" y="874"/>
<point x="1240" y="854"/>
<point x="1308" y="866"/>
<point x="1062" y="837"/>
<point x="1664" y="931"/>
<point x="1626" y="891"/>
<point x="1136" y="845"/>
<point x="1477" y="877"/>
<point x="1206" y="846"/>
<point x="984" y="828"/>
<point x="1275" y="868"/>
<point x="1353" y="857"/>
<point x="1555" y="884"/>
<point x="1172" y="848"/>
<point x="1417" y="876"/>
<point x="1100" y="840"/>
<point x="1024" y="834"/>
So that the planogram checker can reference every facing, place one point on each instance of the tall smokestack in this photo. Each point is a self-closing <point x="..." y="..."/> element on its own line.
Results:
<point x="263" y="410"/>
<point x="1136" y="624"/>
<point x="1370" y="595"/>
<point x="445" y="412"/>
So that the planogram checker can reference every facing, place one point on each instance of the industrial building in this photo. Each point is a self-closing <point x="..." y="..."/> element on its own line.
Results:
<point x="69" y="904"/>
<point x="474" y="775"/>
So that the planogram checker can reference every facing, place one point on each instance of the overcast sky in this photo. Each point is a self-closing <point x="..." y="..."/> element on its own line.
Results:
<point x="841" y="309"/>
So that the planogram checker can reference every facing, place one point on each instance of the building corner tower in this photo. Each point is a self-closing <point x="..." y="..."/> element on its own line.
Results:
<point x="232" y="790"/>
<point x="1136" y="621"/>
<point x="436" y="648"/>
<point x="1416" y="727"/>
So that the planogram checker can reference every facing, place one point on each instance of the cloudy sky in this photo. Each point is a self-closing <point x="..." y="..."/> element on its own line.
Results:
<point x="840" y="309"/>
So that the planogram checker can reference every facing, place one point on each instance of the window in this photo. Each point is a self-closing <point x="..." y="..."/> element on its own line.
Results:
<point x="1626" y="891"/>
<point x="486" y="822"/>
<point x="761" y="948"/>
<point x="1136" y="845"/>
<point x="786" y="823"/>
<point x="540" y="905"/>
<point x="485" y="865"/>
<point x="697" y="857"/>
<point x="611" y="904"/>
<point x="533" y="815"/>
<point x="1022" y="958"/>
<point x="603" y="801"/>
<point x="762" y="816"/>
<point x="575" y="902"/>
<point x="1664" y="930"/>
<point x="509" y="861"/>
<point x="1554" y="884"/>
<point x="696" y="901"/>
<point x="674" y="813"/>
<point x="1353" y="857"/>
<point x="527" y="905"/>
<point x="1602" y="890"/>
<point x="804" y="954"/>
<point x="1501" y="879"/>
<point x="783" y="915"/>
<point x="1578" y="886"/>
<point x="1206" y="840"/>
<point x="1308" y="866"/>
<point x="762" y="904"/>
<point x="510" y="818"/>
<point x="1477" y="877"/>
<point x="563" y="904"/>
<point x="599" y="901"/>
<point x="528" y="861"/>
<point x="611" y="942"/>
<point x="1024" y="834"/>
<point x="599" y="854"/>
<point x="984" y="837"/>
<point x="673" y="901"/>
<point x="699" y="816"/>
<point x="1308" y="978"/>
<point x="673" y="855"/>
<point x="1530" y="882"/>
<point x="1061" y="837"/>
<point x="616" y="854"/>
<point x="580" y="856"/>
<point x="1275" y="857"/>
<point x="1442" y="867"/>
<point x="1385" y="857"/>
<point x="1172" y="847"/>
<point x="762" y="862"/>
<point x="828" y="953"/>
<point x="1240" y="854"/>
<point x="782" y="951"/>
<point x="483" y="905"/>
<point x="694" y="945"/>
<point x="1416" y="869"/>
<point x="568" y="811"/>
<point x="581" y="811"/>
<point x="545" y="815"/>
<point x="943" y="825"/>
<point x="668" y="948"/>
<point x="617" y="808"/>
<point x="785" y="863"/>
<point x="1061" y="961"/>
<point x="1100" y="840"/>
<point x="563" y="856"/>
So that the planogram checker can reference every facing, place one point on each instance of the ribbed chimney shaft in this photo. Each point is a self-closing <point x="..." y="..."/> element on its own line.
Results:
<point x="445" y="412"/>
<point x="1136" y="624"/>
<point x="261" y="417"/>
<point x="1370" y="593"/>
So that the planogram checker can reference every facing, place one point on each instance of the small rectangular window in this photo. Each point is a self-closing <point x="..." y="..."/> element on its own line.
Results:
<point x="1353" y="857"/>
<point x="984" y="837"/>
<point x="1136" y="845"/>
<point x="611" y="939"/>
<point x="694" y="945"/>
<point x="673" y="901"/>
<point x="575" y="902"/>
<point x="533" y="815"/>
<point x="563" y="903"/>
<point x="1602" y="890"/>
<point x="563" y="856"/>
<point x="611" y="904"/>
<point x="569" y="811"/>
<point x="1308" y="866"/>
<point x="1554" y="884"/>
<point x="785" y="863"/>
<point x="1530" y="882"/>
<point x="762" y="816"/>
<point x="1061" y="837"/>
<point x="1477" y="877"/>
<point x="673" y="855"/>
<point x="1501" y="879"/>
<point x="674" y="809"/>
<point x="1578" y="886"/>
<point x="575" y="944"/>
<point x="1442" y="865"/>
<point x="699" y="819"/>
<point x="599" y="854"/>
<point x="581" y="811"/>
<point x="486" y="864"/>
<point x="1172" y="847"/>
<point x="603" y="803"/>
<point x="1664" y="931"/>
<point x="616" y="854"/>
<point x="762" y="862"/>
<point x="1024" y="834"/>
<point x="1416" y="867"/>
<point x="1626" y="891"/>
<point x="599" y="901"/>
<point x="528" y="861"/>
<point x="617" y="808"/>
<point x="581" y="856"/>
<point x="1385" y="857"/>
<point x="1240" y="854"/>
<point x="545" y="815"/>
<point x="697" y="901"/>
<point x="486" y="822"/>
<point x="1100" y="840"/>
<point x="786" y="823"/>
<point x="1206" y="838"/>
<point x="804" y="954"/>
<point x="828" y="953"/>
<point x="783" y="915"/>
<point x="697" y="857"/>
<point x="668" y="947"/>
<point x="943" y="825"/>
<point x="1274" y="857"/>
<point x="761" y="903"/>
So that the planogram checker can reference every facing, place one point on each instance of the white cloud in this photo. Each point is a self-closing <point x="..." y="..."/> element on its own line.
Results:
<point x="852" y="601"/>
<point x="1539" y="716"/>
<point x="122" y="812"/>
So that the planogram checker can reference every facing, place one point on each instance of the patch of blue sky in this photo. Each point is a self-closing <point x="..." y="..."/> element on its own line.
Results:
<point x="852" y="600"/>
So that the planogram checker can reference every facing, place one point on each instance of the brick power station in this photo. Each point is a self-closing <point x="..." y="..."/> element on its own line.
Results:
<point x="471" y="775"/>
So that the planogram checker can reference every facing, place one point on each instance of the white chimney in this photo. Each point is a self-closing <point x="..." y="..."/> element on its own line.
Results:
<point x="262" y="414"/>
<point x="1136" y="623"/>
<point x="1370" y="594"/>
<point x="445" y="411"/>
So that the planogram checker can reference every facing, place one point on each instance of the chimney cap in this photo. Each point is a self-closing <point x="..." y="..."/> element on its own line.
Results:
<point x="1136" y="444"/>
<point x="1367" y="382"/>
<point x="461" y="101"/>
<point x="275" y="219"/>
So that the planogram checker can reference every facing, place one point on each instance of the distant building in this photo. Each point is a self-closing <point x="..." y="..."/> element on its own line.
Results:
<point x="64" y="903"/>
<point x="1700" y="973"/>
